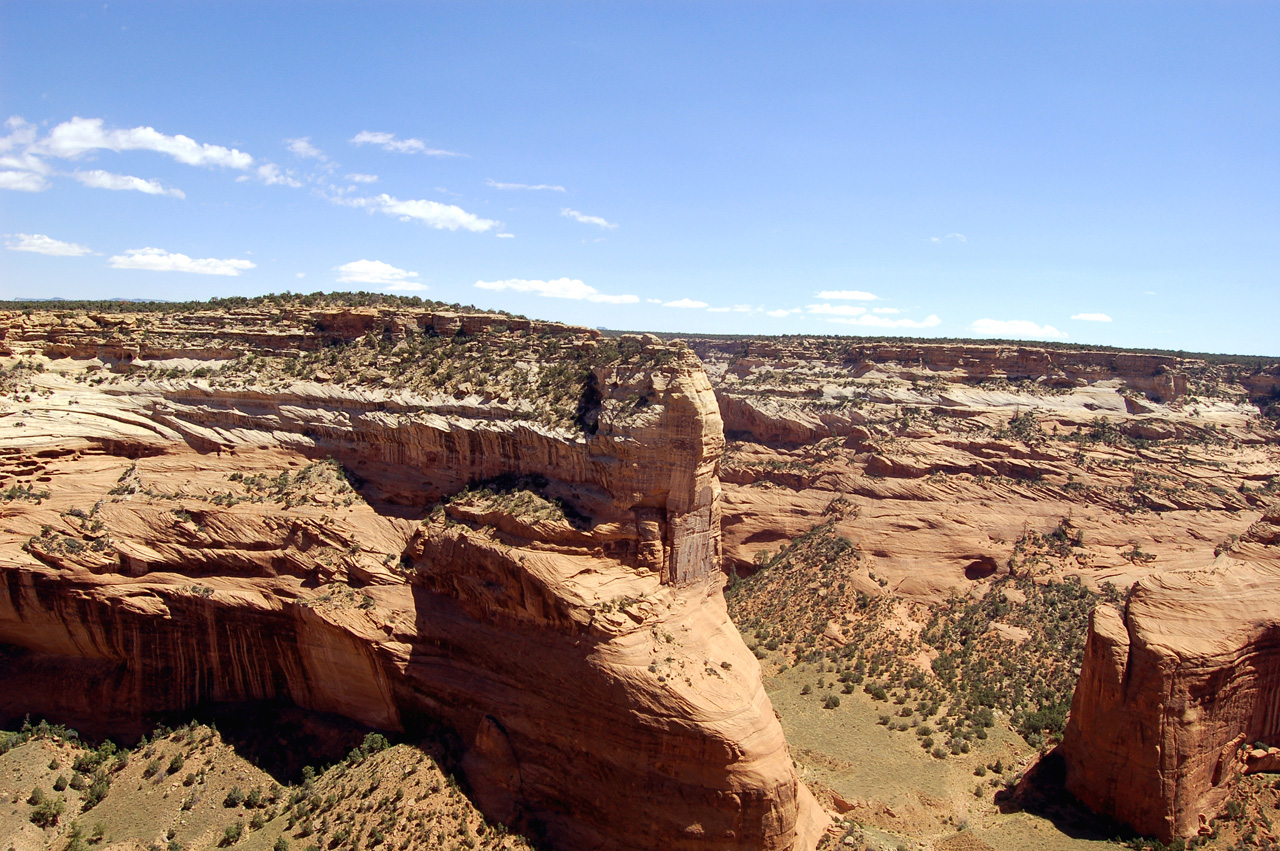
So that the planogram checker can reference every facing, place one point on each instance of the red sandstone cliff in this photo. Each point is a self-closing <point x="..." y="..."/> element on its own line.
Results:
<point x="192" y="549"/>
<point x="1174" y="693"/>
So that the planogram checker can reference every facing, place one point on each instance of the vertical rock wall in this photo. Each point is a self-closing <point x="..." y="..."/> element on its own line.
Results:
<point x="1174" y="693"/>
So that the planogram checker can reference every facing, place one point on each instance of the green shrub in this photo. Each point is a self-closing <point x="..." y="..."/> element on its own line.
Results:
<point x="231" y="834"/>
<point x="48" y="811"/>
<point x="96" y="792"/>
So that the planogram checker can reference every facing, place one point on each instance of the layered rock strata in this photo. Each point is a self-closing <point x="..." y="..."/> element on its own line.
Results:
<point x="550" y="594"/>
<point x="1175" y="694"/>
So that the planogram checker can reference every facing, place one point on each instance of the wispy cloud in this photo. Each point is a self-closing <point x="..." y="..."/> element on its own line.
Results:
<point x="956" y="236"/>
<point x="304" y="149"/>
<point x="781" y="312"/>
<point x="585" y="219"/>
<point x="389" y="142"/>
<point x="362" y="178"/>
<point x="79" y="136"/>
<point x="847" y="295"/>
<point x="377" y="273"/>
<point x="159" y="260"/>
<point x="684" y="302"/>
<point x="431" y="213"/>
<point x="849" y="314"/>
<point x="533" y="187"/>
<point x="21" y="170"/>
<point x="23" y="181"/>
<point x="21" y="134"/>
<point x="99" y="179"/>
<point x="1016" y="328"/>
<point x="271" y="175"/>
<point x="38" y="243"/>
<point x="506" y="236"/>
<point x="871" y="320"/>
<point x="1092" y="317"/>
<point x="570" y="288"/>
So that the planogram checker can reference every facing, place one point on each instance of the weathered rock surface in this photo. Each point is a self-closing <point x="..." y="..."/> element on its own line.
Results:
<point x="1174" y="693"/>
<point x="181" y="541"/>
<point x="954" y="455"/>
<point x="947" y="467"/>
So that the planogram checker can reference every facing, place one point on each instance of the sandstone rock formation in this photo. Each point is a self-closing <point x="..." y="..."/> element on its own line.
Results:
<point x="174" y="535"/>
<point x="1174" y="693"/>
<point x="952" y="454"/>
<point x="920" y="476"/>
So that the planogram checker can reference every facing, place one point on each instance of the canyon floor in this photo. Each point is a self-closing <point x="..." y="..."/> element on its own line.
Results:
<point x="913" y="536"/>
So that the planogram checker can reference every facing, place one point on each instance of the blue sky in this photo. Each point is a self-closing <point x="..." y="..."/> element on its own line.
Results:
<point x="1090" y="172"/>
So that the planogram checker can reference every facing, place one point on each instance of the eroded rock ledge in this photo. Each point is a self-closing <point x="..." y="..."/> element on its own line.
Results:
<point x="182" y="540"/>
<point x="1175" y="693"/>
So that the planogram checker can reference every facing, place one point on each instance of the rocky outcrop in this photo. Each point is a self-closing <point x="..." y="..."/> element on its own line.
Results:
<point x="1174" y="693"/>
<point x="550" y="594"/>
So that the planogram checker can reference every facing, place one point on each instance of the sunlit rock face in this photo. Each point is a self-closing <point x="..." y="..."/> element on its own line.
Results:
<point x="1174" y="694"/>
<point x="313" y="518"/>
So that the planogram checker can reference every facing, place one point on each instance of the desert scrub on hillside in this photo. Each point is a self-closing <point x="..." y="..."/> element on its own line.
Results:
<point x="543" y="374"/>
<point x="16" y="379"/>
<point x="519" y="496"/>
<point x="25" y="493"/>
<point x="977" y="661"/>
<point x="380" y="795"/>
<point x="1032" y="680"/>
<point x="320" y="482"/>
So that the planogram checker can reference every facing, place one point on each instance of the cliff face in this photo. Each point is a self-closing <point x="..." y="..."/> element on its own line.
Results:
<point x="550" y="593"/>
<point x="1173" y="696"/>
<point x="925" y="477"/>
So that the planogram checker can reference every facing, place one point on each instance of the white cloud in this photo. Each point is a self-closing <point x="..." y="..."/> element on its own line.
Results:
<point x="532" y="187"/>
<point x="74" y="138"/>
<point x="781" y="312"/>
<point x="1015" y="328"/>
<point x="848" y="295"/>
<point x="506" y="236"/>
<point x="432" y="213"/>
<point x="389" y="142"/>
<point x="23" y="181"/>
<point x="872" y="321"/>
<point x="271" y="175"/>
<point x="654" y="300"/>
<point x="362" y="178"/>
<point x="837" y="309"/>
<point x="303" y="148"/>
<point x="99" y="179"/>
<point x="38" y="243"/>
<point x="159" y="260"/>
<point x="21" y="133"/>
<point x="377" y="273"/>
<point x="559" y="288"/>
<point x="684" y="302"/>
<point x="585" y="219"/>
<point x="301" y="275"/>
<point x="957" y="236"/>
<point x="718" y="309"/>
<point x="1092" y="317"/>
<point x="20" y="170"/>
<point x="885" y="310"/>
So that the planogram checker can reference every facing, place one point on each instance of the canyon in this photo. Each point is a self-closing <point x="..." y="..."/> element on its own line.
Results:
<point x="553" y="541"/>
<point x="201" y="542"/>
